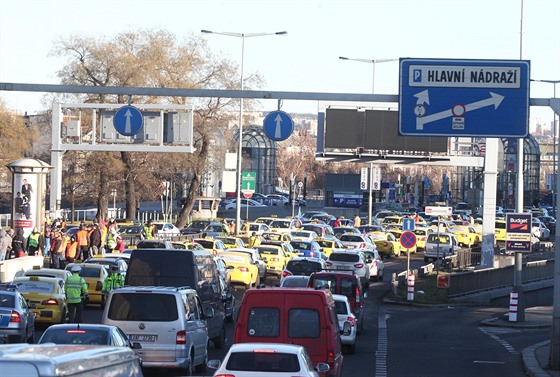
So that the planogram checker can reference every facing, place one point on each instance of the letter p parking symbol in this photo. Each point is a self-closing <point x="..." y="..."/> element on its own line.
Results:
<point x="417" y="75"/>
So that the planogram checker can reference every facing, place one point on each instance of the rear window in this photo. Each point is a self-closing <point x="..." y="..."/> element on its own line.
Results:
<point x="351" y="238"/>
<point x="294" y="283"/>
<point x="326" y="282"/>
<point x="341" y="307"/>
<point x="94" y="337"/>
<point x="441" y="239"/>
<point x="267" y="251"/>
<point x="344" y="257"/>
<point x="206" y="244"/>
<point x="303" y="267"/>
<point x="150" y="245"/>
<point x="304" y="323"/>
<point x="170" y="268"/>
<point x="263" y="362"/>
<point x="324" y="243"/>
<point x="90" y="272"/>
<point x="500" y="225"/>
<point x="149" y="306"/>
<point x="7" y="301"/>
<point x="301" y="245"/>
<point x="347" y="287"/>
<point x="35" y="287"/>
<point x="263" y="322"/>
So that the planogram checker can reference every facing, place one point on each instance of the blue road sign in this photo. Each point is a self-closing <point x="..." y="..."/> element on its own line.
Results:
<point x="479" y="98"/>
<point x="278" y="125"/>
<point x="408" y="223"/>
<point x="128" y="120"/>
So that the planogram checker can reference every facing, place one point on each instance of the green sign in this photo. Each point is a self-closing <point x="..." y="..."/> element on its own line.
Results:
<point x="248" y="180"/>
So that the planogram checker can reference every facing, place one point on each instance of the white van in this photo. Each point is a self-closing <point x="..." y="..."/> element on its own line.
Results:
<point x="50" y="360"/>
<point x="168" y="322"/>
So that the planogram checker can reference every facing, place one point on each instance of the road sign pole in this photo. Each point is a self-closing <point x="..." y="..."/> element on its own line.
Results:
<point x="407" y="262"/>
<point x="370" y="196"/>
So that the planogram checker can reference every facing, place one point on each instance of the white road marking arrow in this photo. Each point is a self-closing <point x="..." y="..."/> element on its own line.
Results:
<point x="495" y="100"/>
<point x="278" y="129"/>
<point x="127" y="126"/>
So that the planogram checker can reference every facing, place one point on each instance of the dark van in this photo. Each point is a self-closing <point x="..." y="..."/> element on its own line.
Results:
<point x="342" y="283"/>
<point x="182" y="268"/>
<point x="301" y="316"/>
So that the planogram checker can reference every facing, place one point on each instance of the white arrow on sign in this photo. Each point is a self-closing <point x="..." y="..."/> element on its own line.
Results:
<point x="494" y="100"/>
<point x="127" y="126"/>
<point x="278" y="129"/>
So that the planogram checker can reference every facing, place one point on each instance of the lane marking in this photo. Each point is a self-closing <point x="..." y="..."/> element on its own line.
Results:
<point x="502" y="342"/>
<point x="488" y="362"/>
<point x="381" y="353"/>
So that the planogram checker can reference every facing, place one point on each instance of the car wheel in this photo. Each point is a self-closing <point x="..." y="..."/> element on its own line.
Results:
<point x="201" y="368"/>
<point x="426" y="259"/>
<point x="64" y="316"/>
<point x="397" y="253"/>
<point x="220" y="340"/>
<point x="188" y="369"/>
<point x="258" y="281"/>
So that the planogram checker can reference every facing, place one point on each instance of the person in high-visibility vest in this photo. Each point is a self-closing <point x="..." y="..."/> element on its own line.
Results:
<point x="82" y="237"/>
<point x="71" y="250"/>
<point x="76" y="293"/>
<point x="35" y="242"/>
<point x="113" y="281"/>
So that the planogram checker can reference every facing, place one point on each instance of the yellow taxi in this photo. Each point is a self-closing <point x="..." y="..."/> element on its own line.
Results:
<point x="276" y="237"/>
<point x="244" y="270"/>
<point x="214" y="246"/>
<point x="231" y="242"/>
<point x="274" y="257"/>
<point x="328" y="244"/>
<point x="500" y="231"/>
<point x="94" y="275"/>
<point x="387" y="244"/>
<point x="421" y="237"/>
<point x="392" y="220"/>
<point x="466" y="235"/>
<point x="48" y="272"/>
<point x="45" y="296"/>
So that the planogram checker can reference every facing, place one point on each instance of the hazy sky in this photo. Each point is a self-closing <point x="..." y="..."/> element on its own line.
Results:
<point x="306" y="59"/>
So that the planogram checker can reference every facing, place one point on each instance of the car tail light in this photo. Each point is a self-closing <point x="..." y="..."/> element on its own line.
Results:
<point x="423" y="238"/>
<point x="99" y="286"/>
<point x="352" y="321"/>
<point x="374" y="263"/>
<point x="15" y="317"/>
<point x="357" y="294"/>
<point x="359" y="265"/>
<point x="50" y="301"/>
<point x="385" y="243"/>
<point x="463" y="235"/>
<point x="243" y="269"/>
<point x="225" y="375"/>
<point x="274" y="260"/>
<point x="311" y="254"/>
<point x="75" y="332"/>
<point x="330" y="357"/>
<point x="286" y="273"/>
<point x="362" y="245"/>
<point x="181" y="337"/>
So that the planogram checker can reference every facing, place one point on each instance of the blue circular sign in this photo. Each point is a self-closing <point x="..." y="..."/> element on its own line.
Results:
<point x="128" y="120"/>
<point x="408" y="240"/>
<point x="278" y="125"/>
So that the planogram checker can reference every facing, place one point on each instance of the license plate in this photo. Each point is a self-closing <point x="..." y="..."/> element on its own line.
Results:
<point x="142" y="338"/>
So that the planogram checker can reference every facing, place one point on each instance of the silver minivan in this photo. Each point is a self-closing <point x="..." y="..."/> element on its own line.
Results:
<point x="168" y="322"/>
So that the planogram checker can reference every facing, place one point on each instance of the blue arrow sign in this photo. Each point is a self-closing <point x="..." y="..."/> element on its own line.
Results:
<point x="278" y="125"/>
<point x="128" y="120"/>
<point x="479" y="98"/>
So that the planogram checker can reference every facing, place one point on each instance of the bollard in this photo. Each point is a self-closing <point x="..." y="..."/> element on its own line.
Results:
<point x="410" y="292"/>
<point x="513" y="297"/>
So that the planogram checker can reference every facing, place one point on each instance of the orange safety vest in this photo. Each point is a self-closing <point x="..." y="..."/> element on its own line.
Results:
<point x="71" y="249"/>
<point x="82" y="237"/>
<point x="62" y="247"/>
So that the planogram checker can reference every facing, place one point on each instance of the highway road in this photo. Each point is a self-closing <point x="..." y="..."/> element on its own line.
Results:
<point x="403" y="340"/>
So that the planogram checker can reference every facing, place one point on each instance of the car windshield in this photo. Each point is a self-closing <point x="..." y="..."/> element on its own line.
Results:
<point x="441" y="239"/>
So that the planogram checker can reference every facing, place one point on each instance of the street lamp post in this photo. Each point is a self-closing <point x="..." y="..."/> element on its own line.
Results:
<point x="240" y="134"/>
<point x="372" y="62"/>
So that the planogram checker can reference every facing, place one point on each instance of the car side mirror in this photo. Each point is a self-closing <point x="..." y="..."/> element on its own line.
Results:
<point x="209" y="313"/>
<point x="322" y="367"/>
<point x="215" y="364"/>
<point x="136" y="346"/>
<point x="365" y="294"/>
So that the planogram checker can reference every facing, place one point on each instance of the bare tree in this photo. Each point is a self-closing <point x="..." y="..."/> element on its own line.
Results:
<point x="153" y="58"/>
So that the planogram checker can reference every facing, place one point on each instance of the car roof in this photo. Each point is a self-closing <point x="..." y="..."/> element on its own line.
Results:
<point x="84" y="326"/>
<point x="279" y="347"/>
<point x="39" y="278"/>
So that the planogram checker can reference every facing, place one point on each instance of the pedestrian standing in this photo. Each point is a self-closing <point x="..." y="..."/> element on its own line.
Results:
<point x="76" y="293"/>
<point x="35" y="243"/>
<point x="231" y="227"/>
<point x="119" y="247"/>
<point x="18" y="244"/>
<point x="3" y="244"/>
<point x="58" y="249"/>
<point x="357" y="221"/>
<point x="10" y="236"/>
<point x="113" y="281"/>
<point x="47" y="238"/>
<point x="95" y="241"/>
<point x="71" y="250"/>
<point x="83" y="243"/>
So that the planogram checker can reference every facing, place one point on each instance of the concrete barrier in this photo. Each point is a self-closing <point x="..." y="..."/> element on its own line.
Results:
<point x="11" y="268"/>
